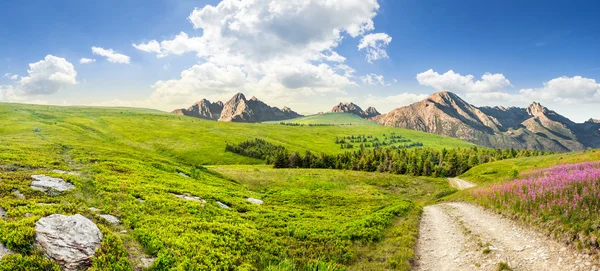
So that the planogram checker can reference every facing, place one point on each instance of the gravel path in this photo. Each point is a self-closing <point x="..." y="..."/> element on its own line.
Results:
<point x="460" y="184"/>
<point x="460" y="236"/>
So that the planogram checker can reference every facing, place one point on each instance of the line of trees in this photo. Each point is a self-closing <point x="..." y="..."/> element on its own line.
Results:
<point x="416" y="161"/>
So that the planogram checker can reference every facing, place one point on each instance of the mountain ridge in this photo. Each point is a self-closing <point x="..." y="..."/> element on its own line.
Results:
<point x="534" y="127"/>
<point x="237" y="109"/>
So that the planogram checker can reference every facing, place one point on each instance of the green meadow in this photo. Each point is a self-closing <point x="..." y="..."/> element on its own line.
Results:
<point x="132" y="163"/>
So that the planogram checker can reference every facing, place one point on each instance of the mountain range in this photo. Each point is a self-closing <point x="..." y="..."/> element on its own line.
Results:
<point x="534" y="127"/>
<point x="237" y="109"/>
<point x="356" y="110"/>
<point x="443" y="113"/>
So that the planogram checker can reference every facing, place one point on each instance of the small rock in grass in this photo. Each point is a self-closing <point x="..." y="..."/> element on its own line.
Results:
<point x="110" y="219"/>
<point x="2" y="213"/>
<point x="140" y="200"/>
<point x="190" y="198"/>
<point x="183" y="175"/>
<point x="255" y="201"/>
<point x="223" y="205"/>
<point x="28" y="214"/>
<point x="94" y="209"/>
<point x="59" y="171"/>
<point x="44" y="183"/>
<point x="4" y="251"/>
<point x="71" y="241"/>
<point x="17" y="193"/>
<point x="146" y="262"/>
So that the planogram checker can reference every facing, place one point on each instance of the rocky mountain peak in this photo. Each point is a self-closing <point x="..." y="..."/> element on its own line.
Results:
<point x="237" y="109"/>
<point x="446" y="98"/>
<point x="354" y="109"/>
<point x="371" y="112"/>
<point x="536" y="109"/>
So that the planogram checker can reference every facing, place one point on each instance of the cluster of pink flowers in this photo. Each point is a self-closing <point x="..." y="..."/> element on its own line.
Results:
<point x="571" y="192"/>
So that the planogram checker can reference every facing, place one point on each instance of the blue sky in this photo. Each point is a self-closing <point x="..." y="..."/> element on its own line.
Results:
<point x="533" y="50"/>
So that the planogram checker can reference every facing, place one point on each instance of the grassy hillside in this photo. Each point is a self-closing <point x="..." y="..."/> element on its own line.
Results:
<point x="331" y="118"/>
<point x="129" y="163"/>
<point x="192" y="140"/>
<point x="504" y="170"/>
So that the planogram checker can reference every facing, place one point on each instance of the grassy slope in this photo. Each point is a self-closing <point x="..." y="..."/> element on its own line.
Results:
<point x="336" y="198"/>
<point x="125" y="155"/>
<point x="192" y="140"/>
<point x="501" y="171"/>
<point x="331" y="118"/>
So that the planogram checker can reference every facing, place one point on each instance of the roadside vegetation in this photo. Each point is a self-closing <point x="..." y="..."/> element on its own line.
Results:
<point x="564" y="200"/>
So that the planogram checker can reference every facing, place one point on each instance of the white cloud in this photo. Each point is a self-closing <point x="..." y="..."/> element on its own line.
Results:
<point x="87" y="60"/>
<point x="454" y="82"/>
<point x="200" y="80"/>
<point x="152" y="46"/>
<point x="268" y="48"/>
<point x="44" y="77"/>
<point x="48" y="76"/>
<point x="565" y="89"/>
<point x="11" y="76"/>
<point x="375" y="79"/>
<point x="375" y="45"/>
<point x="333" y="57"/>
<point x="111" y="55"/>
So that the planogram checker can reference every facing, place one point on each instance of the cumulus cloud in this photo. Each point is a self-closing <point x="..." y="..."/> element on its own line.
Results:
<point x="87" y="60"/>
<point x="111" y="55"/>
<point x="375" y="46"/>
<point x="269" y="48"/>
<point x="48" y="76"/>
<point x="44" y="77"/>
<point x="565" y="89"/>
<point x="454" y="82"/>
<point x="375" y="79"/>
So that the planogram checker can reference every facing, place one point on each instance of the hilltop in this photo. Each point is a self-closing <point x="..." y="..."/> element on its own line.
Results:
<point x="534" y="127"/>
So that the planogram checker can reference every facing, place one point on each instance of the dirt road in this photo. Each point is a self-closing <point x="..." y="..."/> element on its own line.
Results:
<point x="460" y="236"/>
<point x="460" y="184"/>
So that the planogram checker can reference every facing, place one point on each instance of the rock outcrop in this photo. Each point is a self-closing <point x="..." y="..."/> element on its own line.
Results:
<point x="534" y="127"/>
<point x="238" y="109"/>
<point x="203" y="109"/>
<point x="2" y="213"/>
<point x="355" y="109"/>
<point x="48" y="184"/>
<point x="71" y="241"/>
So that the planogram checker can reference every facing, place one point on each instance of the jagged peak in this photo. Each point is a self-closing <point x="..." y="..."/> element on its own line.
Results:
<point x="536" y="108"/>
<point x="239" y="96"/>
<point x="444" y="95"/>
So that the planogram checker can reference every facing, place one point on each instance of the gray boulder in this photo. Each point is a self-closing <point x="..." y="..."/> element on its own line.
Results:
<point x="17" y="193"/>
<point x="2" y="213"/>
<point x="190" y="198"/>
<point x="71" y="241"/>
<point x="4" y="251"/>
<point x="110" y="219"/>
<point x="223" y="205"/>
<point x="255" y="201"/>
<point x="45" y="184"/>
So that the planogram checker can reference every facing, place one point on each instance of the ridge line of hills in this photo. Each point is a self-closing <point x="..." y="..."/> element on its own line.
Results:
<point x="443" y="113"/>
